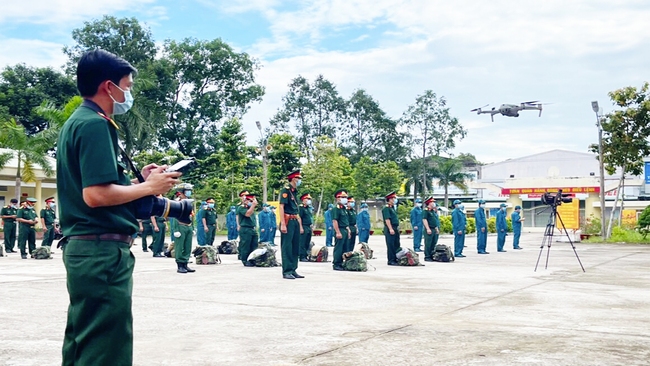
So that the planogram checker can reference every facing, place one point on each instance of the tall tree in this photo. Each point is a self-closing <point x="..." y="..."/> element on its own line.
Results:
<point x="284" y="158"/>
<point x="24" y="88"/>
<point x="314" y="109"/>
<point x="437" y="130"/>
<point x="372" y="180"/>
<point x="449" y="172"/>
<point x="201" y="84"/>
<point x="626" y="134"/>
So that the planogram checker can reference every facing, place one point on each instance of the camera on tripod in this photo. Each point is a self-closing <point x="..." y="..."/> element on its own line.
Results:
<point x="556" y="199"/>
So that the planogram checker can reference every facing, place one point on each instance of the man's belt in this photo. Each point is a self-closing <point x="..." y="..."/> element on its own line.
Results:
<point x="288" y="217"/>
<point x="182" y="223"/>
<point x="124" y="238"/>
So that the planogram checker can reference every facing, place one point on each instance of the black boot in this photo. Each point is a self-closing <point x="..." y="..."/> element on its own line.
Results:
<point x="188" y="269"/>
<point x="181" y="267"/>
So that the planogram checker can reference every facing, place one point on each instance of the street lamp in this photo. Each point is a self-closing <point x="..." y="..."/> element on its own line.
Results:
<point x="596" y="109"/>
<point x="264" y="161"/>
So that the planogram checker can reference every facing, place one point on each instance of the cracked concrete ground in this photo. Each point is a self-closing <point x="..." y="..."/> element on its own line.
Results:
<point x="481" y="310"/>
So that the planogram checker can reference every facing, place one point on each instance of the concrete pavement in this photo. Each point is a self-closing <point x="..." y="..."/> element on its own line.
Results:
<point x="481" y="310"/>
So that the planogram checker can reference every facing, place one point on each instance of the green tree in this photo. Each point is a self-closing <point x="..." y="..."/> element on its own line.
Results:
<point x="314" y="109"/>
<point x="437" y="130"/>
<point x="29" y="151"/>
<point x="24" y="88"/>
<point x="200" y="84"/>
<point x="55" y="118"/>
<point x="284" y="158"/>
<point x="450" y="172"/>
<point x="374" y="180"/>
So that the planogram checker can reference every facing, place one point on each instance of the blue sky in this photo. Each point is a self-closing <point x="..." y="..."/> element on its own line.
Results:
<point x="470" y="51"/>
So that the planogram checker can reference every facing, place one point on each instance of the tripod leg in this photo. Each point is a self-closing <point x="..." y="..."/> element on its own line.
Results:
<point x="546" y="241"/>
<point x="571" y="242"/>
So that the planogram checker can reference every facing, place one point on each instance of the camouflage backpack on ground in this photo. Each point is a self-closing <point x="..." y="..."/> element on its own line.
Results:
<point x="365" y="249"/>
<point x="228" y="247"/>
<point x="206" y="255"/>
<point x="407" y="257"/>
<point x="317" y="253"/>
<point x="42" y="253"/>
<point x="355" y="261"/>
<point x="263" y="256"/>
<point x="443" y="253"/>
<point x="169" y="251"/>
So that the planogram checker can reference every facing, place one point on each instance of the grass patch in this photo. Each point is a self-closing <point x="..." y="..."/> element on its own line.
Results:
<point x="621" y="235"/>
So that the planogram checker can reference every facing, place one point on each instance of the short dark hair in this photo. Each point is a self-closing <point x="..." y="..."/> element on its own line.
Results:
<point x="13" y="200"/>
<point x="97" y="66"/>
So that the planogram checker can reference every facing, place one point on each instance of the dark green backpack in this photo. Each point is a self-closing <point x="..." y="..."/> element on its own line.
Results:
<point x="443" y="253"/>
<point x="355" y="261"/>
<point x="228" y="247"/>
<point x="42" y="253"/>
<point x="206" y="255"/>
<point x="407" y="257"/>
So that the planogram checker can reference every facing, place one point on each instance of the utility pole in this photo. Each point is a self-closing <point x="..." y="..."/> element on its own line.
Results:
<point x="601" y="163"/>
<point x="264" y="162"/>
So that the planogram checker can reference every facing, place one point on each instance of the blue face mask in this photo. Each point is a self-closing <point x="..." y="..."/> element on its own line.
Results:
<point x="211" y="205"/>
<point x="396" y="201"/>
<point x="232" y="210"/>
<point x="351" y="204"/>
<point x="122" y="107"/>
<point x="266" y="209"/>
<point x="249" y="204"/>
<point x="188" y="193"/>
<point x="298" y="182"/>
<point x="418" y="204"/>
<point x="308" y="202"/>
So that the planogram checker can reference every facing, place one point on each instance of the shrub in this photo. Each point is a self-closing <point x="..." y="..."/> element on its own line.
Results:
<point x="592" y="225"/>
<point x="492" y="225"/>
<point x="445" y="225"/>
<point x="471" y="226"/>
<point x="643" y="226"/>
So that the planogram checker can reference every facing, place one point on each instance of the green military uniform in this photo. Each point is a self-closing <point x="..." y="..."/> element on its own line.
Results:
<point x="48" y="215"/>
<point x="430" y="240"/>
<point x="248" y="237"/>
<point x="27" y="232"/>
<point x="290" y="241"/>
<point x="147" y="230"/>
<point x="392" y="241"/>
<point x="99" y="266"/>
<point x="210" y="216"/>
<point x="305" y="238"/>
<point x="352" y="220"/>
<point x="9" y="227"/>
<point x="159" y="237"/>
<point x="183" y="243"/>
<point x="340" y="215"/>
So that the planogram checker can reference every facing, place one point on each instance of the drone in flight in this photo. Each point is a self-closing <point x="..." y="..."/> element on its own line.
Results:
<point x="510" y="110"/>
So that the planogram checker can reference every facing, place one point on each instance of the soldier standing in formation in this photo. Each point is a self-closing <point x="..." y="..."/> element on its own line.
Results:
<point x="248" y="238"/>
<point x="184" y="233"/>
<point x="340" y="224"/>
<point x="502" y="228"/>
<point x="200" y="228"/>
<point x="264" y="220"/>
<point x="416" y="224"/>
<point x="231" y="224"/>
<point x="209" y="219"/>
<point x="159" y="225"/>
<point x="274" y="225"/>
<point x="8" y="214"/>
<point x="329" y="229"/>
<point x="516" y="227"/>
<point x="146" y="229"/>
<point x="391" y="228"/>
<point x="458" y="223"/>
<point x="431" y="224"/>
<point x="363" y="223"/>
<point x="352" y="224"/>
<point x="481" y="228"/>
<point x="48" y="216"/>
<point x="26" y="216"/>
<point x="290" y="226"/>
<point x="305" y="213"/>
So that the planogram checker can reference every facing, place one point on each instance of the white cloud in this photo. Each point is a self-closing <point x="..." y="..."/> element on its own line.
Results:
<point x="65" y="11"/>
<point x="33" y="52"/>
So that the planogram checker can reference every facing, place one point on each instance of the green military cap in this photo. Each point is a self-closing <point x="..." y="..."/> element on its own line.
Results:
<point x="32" y="200"/>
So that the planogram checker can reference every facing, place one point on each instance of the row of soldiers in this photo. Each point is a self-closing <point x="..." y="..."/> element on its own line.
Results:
<point x="25" y="216"/>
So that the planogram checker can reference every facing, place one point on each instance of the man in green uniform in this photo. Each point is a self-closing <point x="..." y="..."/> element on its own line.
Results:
<point x="431" y="224"/>
<point x="307" y="221"/>
<point x="391" y="228"/>
<point x="26" y="216"/>
<point x="159" y="225"/>
<point x="248" y="238"/>
<point x="290" y="226"/>
<point x="98" y="217"/>
<point x="8" y="214"/>
<point x="184" y="233"/>
<point x="48" y="215"/>
<point x="146" y="229"/>
<point x="209" y="219"/>
<point x="340" y="223"/>
<point x="352" y="221"/>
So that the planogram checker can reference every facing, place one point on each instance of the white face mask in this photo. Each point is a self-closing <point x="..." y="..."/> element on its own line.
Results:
<point x="122" y="107"/>
<point x="418" y="204"/>
<point x="344" y="201"/>
<point x="308" y="202"/>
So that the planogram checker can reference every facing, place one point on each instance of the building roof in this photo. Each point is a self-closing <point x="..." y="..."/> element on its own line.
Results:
<point x="9" y="170"/>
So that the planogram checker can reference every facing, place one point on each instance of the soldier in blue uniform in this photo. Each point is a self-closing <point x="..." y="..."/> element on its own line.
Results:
<point x="516" y="226"/>
<point x="416" y="224"/>
<point x="363" y="224"/>
<point x="274" y="225"/>
<point x="502" y="228"/>
<point x="8" y="214"/>
<point x="231" y="224"/>
<point x="481" y="228"/>
<point x="264" y="220"/>
<point x="329" y="229"/>
<point x="458" y="223"/>
<point x="200" y="229"/>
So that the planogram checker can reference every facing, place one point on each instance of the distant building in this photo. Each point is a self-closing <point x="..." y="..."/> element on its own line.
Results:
<point x="40" y="189"/>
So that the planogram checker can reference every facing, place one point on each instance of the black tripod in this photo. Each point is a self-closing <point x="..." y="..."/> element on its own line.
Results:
<point x="548" y="238"/>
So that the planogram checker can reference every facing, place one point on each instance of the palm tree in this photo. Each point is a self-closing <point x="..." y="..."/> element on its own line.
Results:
<point x="29" y="151"/>
<point x="450" y="172"/>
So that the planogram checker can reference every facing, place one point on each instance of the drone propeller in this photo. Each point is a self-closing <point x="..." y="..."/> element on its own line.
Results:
<point x="531" y="102"/>
<point x="479" y="108"/>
